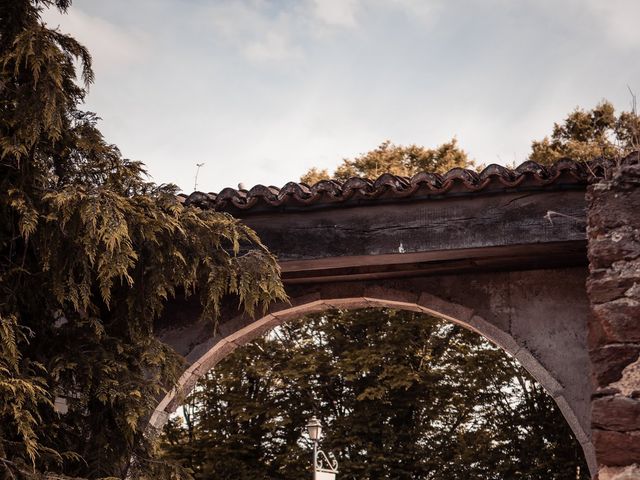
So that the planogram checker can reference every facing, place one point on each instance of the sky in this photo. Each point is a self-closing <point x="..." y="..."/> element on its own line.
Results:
<point x="259" y="91"/>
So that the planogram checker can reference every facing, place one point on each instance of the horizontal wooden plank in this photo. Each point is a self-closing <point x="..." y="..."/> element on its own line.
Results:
<point x="522" y="257"/>
<point x="421" y="227"/>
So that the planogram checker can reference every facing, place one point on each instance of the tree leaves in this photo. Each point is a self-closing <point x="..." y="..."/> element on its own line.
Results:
<point x="90" y="252"/>
<point x="588" y="134"/>
<point x="21" y="392"/>
<point x="401" y="395"/>
<point x="398" y="160"/>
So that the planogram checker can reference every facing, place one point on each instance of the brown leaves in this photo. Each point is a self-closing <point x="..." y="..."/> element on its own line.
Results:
<point x="397" y="160"/>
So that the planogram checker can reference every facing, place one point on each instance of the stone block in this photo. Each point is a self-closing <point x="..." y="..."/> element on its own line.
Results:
<point x="254" y="330"/>
<point x="494" y="334"/>
<point x="608" y="362"/>
<point x="609" y="287"/>
<point x="296" y="312"/>
<point x="630" y="472"/>
<point x="214" y="355"/>
<point x="596" y="336"/>
<point x="616" y="448"/>
<point x="629" y="383"/>
<point x="158" y="420"/>
<point x="590" y="457"/>
<point x="392" y="298"/>
<point x="185" y="384"/>
<point x="540" y="373"/>
<point x="617" y="412"/>
<point x="623" y="243"/>
<point x="620" y="319"/>
<point x="610" y="209"/>
<point x="574" y="423"/>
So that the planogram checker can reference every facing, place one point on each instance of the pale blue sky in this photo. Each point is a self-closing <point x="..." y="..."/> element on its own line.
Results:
<point x="262" y="90"/>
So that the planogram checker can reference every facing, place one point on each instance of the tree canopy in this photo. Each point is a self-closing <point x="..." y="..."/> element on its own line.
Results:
<point x="588" y="134"/>
<point x="402" y="395"/>
<point x="398" y="160"/>
<point x="90" y="251"/>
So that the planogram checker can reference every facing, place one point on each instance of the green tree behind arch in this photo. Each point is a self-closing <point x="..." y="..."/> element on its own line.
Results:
<point x="403" y="396"/>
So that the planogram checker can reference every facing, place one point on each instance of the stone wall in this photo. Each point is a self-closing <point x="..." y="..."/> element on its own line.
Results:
<point x="614" y="327"/>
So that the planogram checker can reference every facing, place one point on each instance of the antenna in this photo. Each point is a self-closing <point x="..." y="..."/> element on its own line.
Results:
<point x="195" y="182"/>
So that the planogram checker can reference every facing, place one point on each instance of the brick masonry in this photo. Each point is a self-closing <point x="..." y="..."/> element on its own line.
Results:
<point x="614" y="327"/>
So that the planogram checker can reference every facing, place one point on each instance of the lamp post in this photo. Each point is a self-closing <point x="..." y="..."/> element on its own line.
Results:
<point x="314" y="427"/>
<point x="324" y="468"/>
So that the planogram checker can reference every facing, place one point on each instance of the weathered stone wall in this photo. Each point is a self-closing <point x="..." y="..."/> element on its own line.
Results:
<point x="614" y="327"/>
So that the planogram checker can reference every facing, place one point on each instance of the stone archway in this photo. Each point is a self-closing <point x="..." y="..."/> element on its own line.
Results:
<point x="503" y="251"/>
<point x="490" y="310"/>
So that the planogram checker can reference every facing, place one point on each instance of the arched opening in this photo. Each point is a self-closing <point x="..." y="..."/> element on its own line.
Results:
<point x="241" y="330"/>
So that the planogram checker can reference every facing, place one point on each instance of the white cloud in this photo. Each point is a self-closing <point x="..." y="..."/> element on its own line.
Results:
<point x="613" y="23"/>
<point x="339" y="13"/>
<point x="619" y="19"/>
<point x="111" y="47"/>
<point x="424" y="11"/>
<point x="263" y="33"/>
<point x="273" y="46"/>
<point x="258" y="34"/>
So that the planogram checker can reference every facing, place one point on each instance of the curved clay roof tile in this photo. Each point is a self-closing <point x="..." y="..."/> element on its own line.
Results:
<point x="493" y="177"/>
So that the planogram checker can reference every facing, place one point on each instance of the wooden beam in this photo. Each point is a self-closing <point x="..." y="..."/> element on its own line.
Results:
<point x="519" y="257"/>
<point x="421" y="228"/>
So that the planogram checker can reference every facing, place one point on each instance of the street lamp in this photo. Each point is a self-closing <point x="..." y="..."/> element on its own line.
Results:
<point x="314" y="427"/>
<point x="324" y="468"/>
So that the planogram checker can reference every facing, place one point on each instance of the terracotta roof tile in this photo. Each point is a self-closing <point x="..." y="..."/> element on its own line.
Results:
<point x="458" y="181"/>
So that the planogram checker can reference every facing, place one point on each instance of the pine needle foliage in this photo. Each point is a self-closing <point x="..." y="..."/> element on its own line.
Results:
<point x="90" y="251"/>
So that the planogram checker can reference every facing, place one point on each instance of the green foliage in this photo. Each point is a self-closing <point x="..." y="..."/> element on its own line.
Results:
<point x="588" y="134"/>
<point x="402" y="395"/>
<point x="89" y="253"/>
<point x="398" y="160"/>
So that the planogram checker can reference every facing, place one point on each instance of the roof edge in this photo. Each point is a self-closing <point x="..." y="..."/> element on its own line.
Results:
<point x="493" y="178"/>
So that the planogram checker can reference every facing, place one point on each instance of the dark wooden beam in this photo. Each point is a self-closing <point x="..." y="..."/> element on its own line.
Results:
<point x="424" y="226"/>
<point x="517" y="257"/>
<point x="504" y="230"/>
